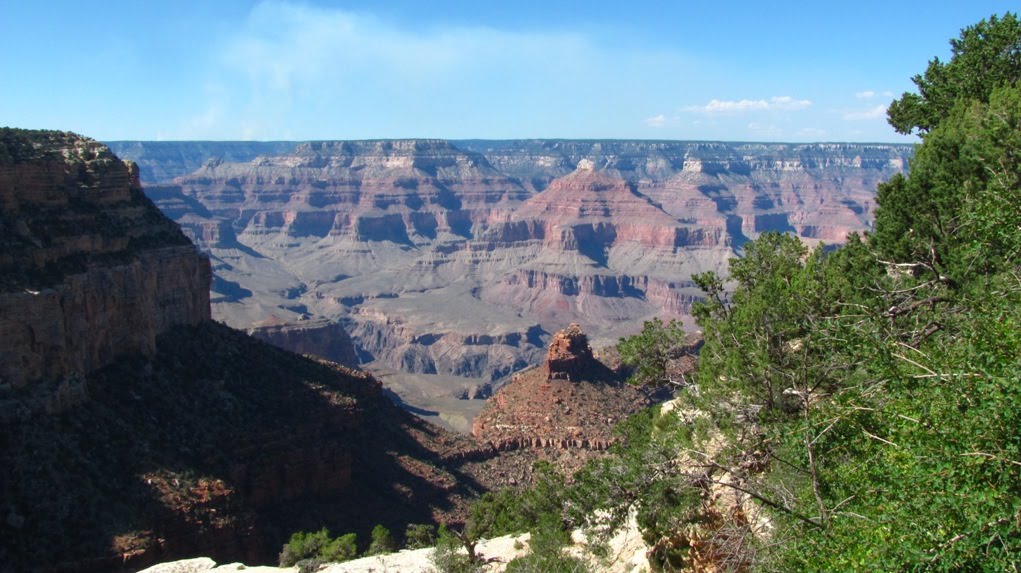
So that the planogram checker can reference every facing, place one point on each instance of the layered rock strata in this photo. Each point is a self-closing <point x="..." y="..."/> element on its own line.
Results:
<point x="90" y="270"/>
<point x="176" y="435"/>
<point x="416" y="245"/>
<point x="320" y="337"/>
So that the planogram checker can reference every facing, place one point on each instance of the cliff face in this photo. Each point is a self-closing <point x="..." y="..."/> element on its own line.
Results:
<point x="320" y="338"/>
<point x="90" y="270"/>
<point x="418" y="246"/>
<point x="134" y="429"/>
<point x="217" y="445"/>
<point x="163" y="160"/>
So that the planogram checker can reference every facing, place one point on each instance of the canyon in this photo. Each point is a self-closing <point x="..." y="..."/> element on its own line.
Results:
<point x="135" y="429"/>
<point x="449" y="264"/>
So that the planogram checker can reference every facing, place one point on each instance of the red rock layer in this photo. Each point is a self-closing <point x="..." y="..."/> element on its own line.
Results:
<point x="570" y="357"/>
<point x="370" y="191"/>
<point x="589" y="207"/>
<point x="572" y="401"/>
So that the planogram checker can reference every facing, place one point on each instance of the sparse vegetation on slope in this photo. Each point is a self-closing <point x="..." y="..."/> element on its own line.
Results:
<point x="856" y="409"/>
<point x="222" y="446"/>
<point x="866" y="400"/>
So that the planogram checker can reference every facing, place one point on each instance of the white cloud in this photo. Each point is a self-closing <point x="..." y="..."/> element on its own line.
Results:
<point x="657" y="121"/>
<point x="723" y="106"/>
<point x="869" y="94"/>
<point x="287" y="47"/>
<point x="787" y="103"/>
<point x="293" y="64"/>
<point x="877" y="112"/>
<point x="778" y="103"/>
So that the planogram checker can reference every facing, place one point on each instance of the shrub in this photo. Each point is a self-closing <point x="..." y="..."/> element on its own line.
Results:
<point x="382" y="541"/>
<point x="546" y="553"/>
<point x="318" y="546"/>
<point x="419" y="536"/>
<point x="448" y="557"/>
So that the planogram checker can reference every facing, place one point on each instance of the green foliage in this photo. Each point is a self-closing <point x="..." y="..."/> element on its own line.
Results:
<point x="382" y="541"/>
<point x="865" y="399"/>
<point x="319" y="546"/>
<point x="503" y="512"/>
<point x="925" y="450"/>
<point x="23" y="145"/>
<point x="952" y="217"/>
<point x="984" y="57"/>
<point x="419" y="536"/>
<point x="650" y="352"/>
<point x="755" y="346"/>
<point x="642" y="478"/>
<point x="449" y="557"/>
<point x="875" y="390"/>
<point x="514" y="510"/>
<point x="546" y="552"/>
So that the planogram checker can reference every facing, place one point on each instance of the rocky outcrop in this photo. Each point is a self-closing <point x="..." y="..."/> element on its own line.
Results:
<point x="417" y="246"/>
<point x="60" y="334"/>
<point x="320" y="337"/>
<point x="570" y="357"/>
<point x="571" y="402"/>
<point x="177" y="435"/>
<point x="90" y="270"/>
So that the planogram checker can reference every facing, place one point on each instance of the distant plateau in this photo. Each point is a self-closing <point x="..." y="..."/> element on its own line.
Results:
<point x="445" y="266"/>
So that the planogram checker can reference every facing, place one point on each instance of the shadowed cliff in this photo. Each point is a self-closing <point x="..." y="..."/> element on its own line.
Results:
<point x="133" y="429"/>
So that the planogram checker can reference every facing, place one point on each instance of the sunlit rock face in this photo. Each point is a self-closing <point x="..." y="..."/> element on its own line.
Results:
<point x="571" y="402"/>
<point x="460" y="258"/>
<point x="90" y="270"/>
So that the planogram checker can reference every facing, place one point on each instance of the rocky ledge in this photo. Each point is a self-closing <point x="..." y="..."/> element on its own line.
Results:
<point x="90" y="270"/>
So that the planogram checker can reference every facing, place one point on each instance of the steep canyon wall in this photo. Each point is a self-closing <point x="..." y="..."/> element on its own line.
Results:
<point x="419" y="245"/>
<point x="90" y="270"/>
<point x="135" y="429"/>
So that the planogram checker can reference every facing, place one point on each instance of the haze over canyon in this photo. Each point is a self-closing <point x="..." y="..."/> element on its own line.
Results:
<point x="454" y="261"/>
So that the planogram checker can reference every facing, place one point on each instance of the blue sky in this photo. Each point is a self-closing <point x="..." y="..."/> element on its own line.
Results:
<point x="640" y="69"/>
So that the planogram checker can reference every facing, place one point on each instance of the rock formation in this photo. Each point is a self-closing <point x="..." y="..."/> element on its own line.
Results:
<point x="571" y="402"/>
<point x="320" y="338"/>
<point x="134" y="429"/>
<point x="90" y="270"/>
<point x="570" y="357"/>
<point x="459" y="258"/>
